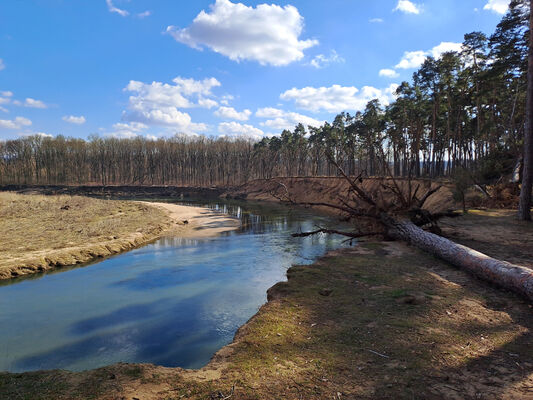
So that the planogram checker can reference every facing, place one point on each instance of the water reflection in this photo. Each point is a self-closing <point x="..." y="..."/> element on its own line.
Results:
<point x="173" y="303"/>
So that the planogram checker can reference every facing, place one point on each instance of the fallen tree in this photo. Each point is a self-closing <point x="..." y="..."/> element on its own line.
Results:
<point x="406" y="219"/>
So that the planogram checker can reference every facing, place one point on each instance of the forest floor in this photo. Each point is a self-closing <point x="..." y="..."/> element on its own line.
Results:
<point x="380" y="320"/>
<point x="38" y="233"/>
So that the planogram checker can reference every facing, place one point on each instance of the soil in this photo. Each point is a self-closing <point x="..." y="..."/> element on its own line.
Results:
<point x="380" y="320"/>
<point x="331" y="189"/>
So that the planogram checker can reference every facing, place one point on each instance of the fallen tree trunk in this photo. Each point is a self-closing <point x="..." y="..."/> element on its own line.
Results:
<point x="502" y="273"/>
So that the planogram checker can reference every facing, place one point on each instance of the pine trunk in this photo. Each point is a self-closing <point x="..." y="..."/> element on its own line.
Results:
<point x="515" y="278"/>
<point x="524" y="209"/>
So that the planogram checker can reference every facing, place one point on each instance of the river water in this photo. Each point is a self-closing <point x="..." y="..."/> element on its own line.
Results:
<point x="174" y="302"/>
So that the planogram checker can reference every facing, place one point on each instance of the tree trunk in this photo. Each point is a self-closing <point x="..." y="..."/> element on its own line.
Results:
<point x="524" y="210"/>
<point x="509" y="276"/>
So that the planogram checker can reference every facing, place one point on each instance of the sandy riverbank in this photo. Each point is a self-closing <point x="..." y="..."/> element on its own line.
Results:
<point x="195" y="222"/>
<point x="40" y="233"/>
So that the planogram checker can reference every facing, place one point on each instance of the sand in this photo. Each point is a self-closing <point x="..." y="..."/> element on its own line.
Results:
<point x="195" y="222"/>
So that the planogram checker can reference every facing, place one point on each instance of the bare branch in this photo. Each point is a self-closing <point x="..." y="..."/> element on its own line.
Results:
<point x="428" y="195"/>
<point x="360" y="192"/>
<point x="353" y="235"/>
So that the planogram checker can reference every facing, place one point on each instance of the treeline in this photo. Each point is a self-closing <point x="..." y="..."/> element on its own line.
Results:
<point x="459" y="111"/>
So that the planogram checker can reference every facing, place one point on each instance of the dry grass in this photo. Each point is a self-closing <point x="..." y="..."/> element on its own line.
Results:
<point x="38" y="231"/>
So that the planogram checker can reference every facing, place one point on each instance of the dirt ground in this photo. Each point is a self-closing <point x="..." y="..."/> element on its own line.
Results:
<point x="496" y="233"/>
<point x="380" y="320"/>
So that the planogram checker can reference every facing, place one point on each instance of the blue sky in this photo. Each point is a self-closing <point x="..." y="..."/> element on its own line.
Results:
<point x="216" y="67"/>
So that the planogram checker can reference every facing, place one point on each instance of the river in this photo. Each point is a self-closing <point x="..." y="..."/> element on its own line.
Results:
<point x="174" y="302"/>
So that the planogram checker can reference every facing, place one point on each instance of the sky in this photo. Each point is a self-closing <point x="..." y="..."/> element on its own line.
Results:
<point x="157" y="68"/>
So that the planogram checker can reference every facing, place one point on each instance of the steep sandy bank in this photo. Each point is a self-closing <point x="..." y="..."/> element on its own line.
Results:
<point x="330" y="189"/>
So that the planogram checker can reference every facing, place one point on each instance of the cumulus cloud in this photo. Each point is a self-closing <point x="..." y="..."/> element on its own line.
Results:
<point x="497" y="6"/>
<point x="17" y="123"/>
<point x="414" y="59"/>
<point x="72" y="119"/>
<point x="231" y="113"/>
<point x="407" y="7"/>
<point x="111" y="7"/>
<point x="388" y="73"/>
<point x="280" y="120"/>
<point x="32" y="103"/>
<point x="235" y="129"/>
<point x="268" y="34"/>
<point x="2" y="65"/>
<point x="207" y="103"/>
<point x="125" y="130"/>
<point x="376" y="20"/>
<point x="338" y="98"/>
<point x="321" y="60"/>
<point x="159" y="103"/>
<point x="444" y="47"/>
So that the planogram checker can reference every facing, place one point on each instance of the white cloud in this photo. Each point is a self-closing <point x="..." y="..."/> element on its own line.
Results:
<point x="414" y="59"/>
<point x="165" y="116"/>
<point x="336" y="98"/>
<point x="497" y="6"/>
<point x="207" y="103"/>
<point x="234" y="129"/>
<point x="144" y="14"/>
<point x="43" y="134"/>
<point x="267" y="33"/>
<point x="74" y="120"/>
<point x="190" y="86"/>
<point x="388" y="73"/>
<point x="280" y="120"/>
<point x="158" y="103"/>
<point x="179" y="95"/>
<point x="126" y="131"/>
<point x="5" y="98"/>
<point x="16" y="123"/>
<point x="32" y="103"/>
<point x="111" y="7"/>
<point x="133" y="127"/>
<point x="231" y="113"/>
<point x="30" y="133"/>
<point x="226" y="99"/>
<point x="407" y="7"/>
<point x="27" y="133"/>
<point x="376" y="20"/>
<point x="444" y="47"/>
<point x="321" y="61"/>
<point x="2" y="65"/>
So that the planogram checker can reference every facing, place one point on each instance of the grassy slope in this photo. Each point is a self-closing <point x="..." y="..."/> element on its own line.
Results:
<point x="40" y="232"/>
<point x="440" y="334"/>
